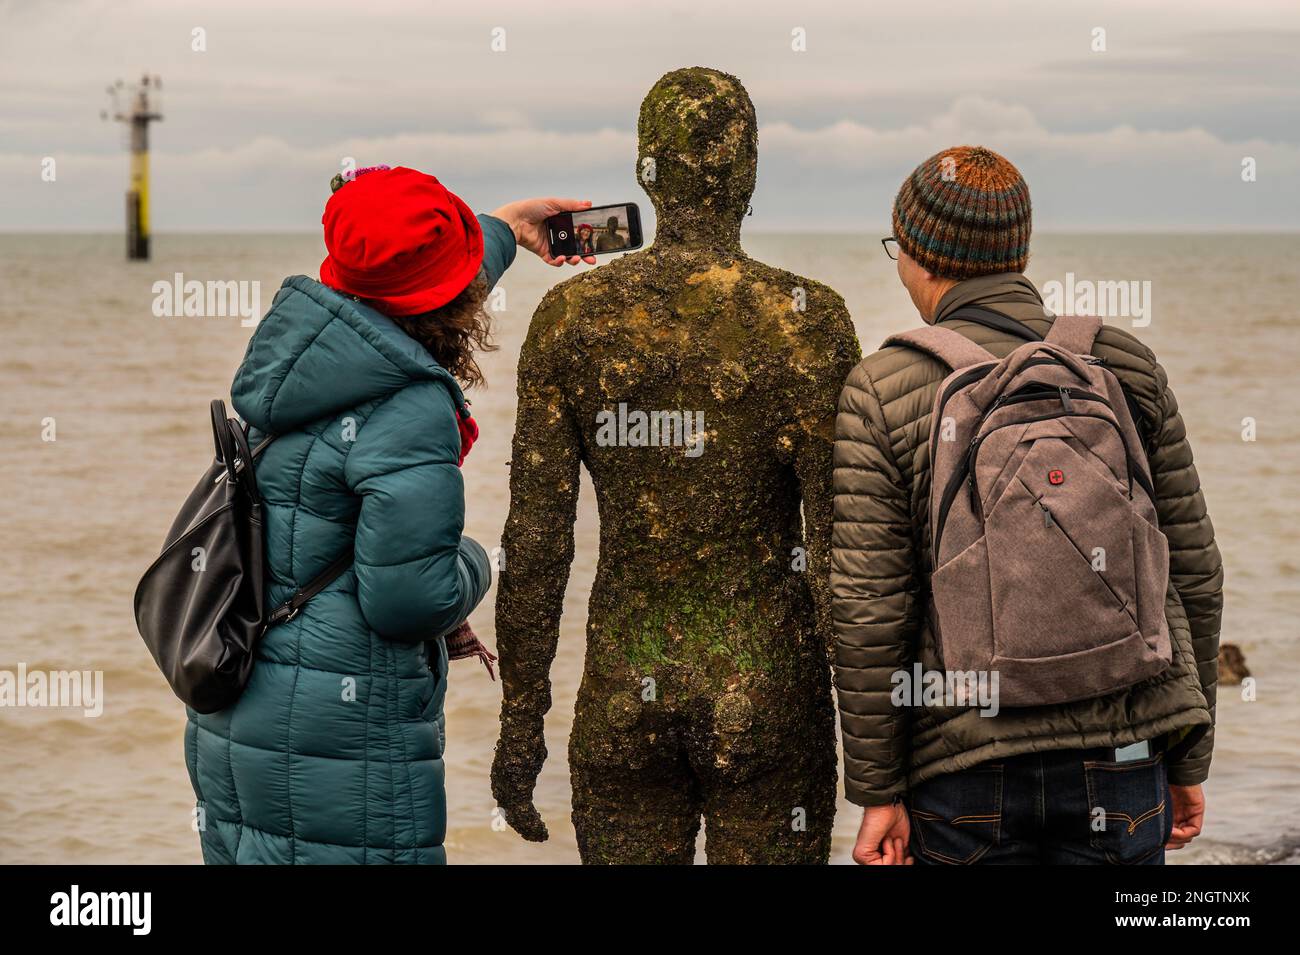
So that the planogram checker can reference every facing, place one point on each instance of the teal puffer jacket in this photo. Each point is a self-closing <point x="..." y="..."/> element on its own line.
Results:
<point x="333" y="754"/>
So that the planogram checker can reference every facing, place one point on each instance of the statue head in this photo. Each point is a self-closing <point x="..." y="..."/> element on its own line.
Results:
<point x="697" y="156"/>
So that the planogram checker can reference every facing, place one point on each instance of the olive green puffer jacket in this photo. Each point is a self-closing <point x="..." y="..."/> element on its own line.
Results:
<point x="880" y="556"/>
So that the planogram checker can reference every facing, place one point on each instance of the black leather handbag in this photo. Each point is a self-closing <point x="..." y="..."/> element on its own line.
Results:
<point x="200" y="607"/>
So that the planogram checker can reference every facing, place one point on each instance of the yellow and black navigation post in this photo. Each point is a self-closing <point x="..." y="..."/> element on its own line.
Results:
<point x="142" y="107"/>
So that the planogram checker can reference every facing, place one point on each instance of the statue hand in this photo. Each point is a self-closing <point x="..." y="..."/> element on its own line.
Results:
<point x="515" y="768"/>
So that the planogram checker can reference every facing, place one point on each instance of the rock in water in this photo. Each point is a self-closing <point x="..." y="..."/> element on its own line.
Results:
<point x="1232" y="665"/>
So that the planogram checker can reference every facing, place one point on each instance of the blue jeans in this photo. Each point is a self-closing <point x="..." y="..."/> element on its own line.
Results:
<point x="1071" y="807"/>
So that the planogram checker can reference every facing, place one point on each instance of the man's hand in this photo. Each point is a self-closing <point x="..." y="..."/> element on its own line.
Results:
<point x="884" y="836"/>
<point x="521" y="751"/>
<point x="527" y="220"/>
<point x="1187" y="803"/>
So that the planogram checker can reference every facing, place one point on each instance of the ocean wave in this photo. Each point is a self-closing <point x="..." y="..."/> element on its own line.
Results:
<point x="1283" y="851"/>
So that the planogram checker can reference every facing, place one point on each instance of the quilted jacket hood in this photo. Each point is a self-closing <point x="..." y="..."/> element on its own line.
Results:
<point x="318" y="352"/>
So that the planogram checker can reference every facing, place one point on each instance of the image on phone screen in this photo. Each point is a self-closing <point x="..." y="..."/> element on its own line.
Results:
<point x="594" y="231"/>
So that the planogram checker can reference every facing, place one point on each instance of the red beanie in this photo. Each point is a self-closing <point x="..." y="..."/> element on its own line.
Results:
<point x="399" y="239"/>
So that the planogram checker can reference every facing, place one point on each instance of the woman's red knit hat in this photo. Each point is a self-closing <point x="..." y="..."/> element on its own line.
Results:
<point x="398" y="238"/>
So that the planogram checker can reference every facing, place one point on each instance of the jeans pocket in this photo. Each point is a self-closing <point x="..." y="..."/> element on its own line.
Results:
<point x="957" y="818"/>
<point x="1128" y="809"/>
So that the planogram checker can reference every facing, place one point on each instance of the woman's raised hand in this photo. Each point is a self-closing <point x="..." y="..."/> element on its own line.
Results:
<point x="527" y="220"/>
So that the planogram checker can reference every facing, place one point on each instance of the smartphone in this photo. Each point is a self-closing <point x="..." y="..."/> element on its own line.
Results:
<point x="595" y="231"/>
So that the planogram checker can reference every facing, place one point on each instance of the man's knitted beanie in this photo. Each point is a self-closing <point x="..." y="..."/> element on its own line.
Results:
<point x="964" y="212"/>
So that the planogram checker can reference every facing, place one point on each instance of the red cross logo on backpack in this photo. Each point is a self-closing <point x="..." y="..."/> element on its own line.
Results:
<point x="1055" y="476"/>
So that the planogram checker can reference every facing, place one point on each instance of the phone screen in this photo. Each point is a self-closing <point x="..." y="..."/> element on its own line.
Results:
<point x="595" y="231"/>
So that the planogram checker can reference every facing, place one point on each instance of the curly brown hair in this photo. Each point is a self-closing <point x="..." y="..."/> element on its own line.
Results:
<point x="454" y="332"/>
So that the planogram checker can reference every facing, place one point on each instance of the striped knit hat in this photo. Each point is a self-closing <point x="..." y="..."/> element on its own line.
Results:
<point x="964" y="212"/>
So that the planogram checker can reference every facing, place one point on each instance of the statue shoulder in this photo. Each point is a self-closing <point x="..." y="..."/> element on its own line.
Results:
<point x="556" y="313"/>
<point x="570" y="305"/>
<point x="566" y="312"/>
<point x="810" y="313"/>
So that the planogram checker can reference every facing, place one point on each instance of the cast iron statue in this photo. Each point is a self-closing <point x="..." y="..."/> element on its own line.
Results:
<point x="698" y="387"/>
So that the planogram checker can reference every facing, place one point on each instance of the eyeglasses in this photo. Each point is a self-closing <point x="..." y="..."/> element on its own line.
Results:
<point x="891" y="247"/>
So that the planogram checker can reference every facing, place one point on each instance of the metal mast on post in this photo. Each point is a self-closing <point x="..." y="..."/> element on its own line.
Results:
<point x="137" y="105"/>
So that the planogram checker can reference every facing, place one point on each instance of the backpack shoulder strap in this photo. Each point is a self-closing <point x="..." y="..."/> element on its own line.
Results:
<point x="1074" y="333"/>
<point x="949" y="346"/>
<point x="990" y="318"/>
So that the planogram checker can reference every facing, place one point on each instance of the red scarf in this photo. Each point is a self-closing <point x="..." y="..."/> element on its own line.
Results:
<point x="468" y="434"/>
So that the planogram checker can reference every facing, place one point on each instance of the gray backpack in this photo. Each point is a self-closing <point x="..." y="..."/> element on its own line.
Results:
<point x="1048" y="565"/>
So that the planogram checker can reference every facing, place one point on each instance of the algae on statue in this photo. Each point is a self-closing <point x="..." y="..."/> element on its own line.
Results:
<point x="706" y="688"/>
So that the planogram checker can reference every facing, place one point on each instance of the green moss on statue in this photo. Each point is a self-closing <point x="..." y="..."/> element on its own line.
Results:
<point x="706" y="688"/>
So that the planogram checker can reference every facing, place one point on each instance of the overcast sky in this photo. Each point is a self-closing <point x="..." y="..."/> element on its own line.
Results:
<point x="1148" y="135"/>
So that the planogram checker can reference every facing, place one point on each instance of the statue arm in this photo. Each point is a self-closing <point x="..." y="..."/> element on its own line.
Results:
<point x="814" y="465"/>
<point x="537" y="548"/>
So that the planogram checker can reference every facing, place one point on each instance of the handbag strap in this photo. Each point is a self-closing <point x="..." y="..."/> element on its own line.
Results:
<point x="233" y="451"/>
<point x="289" y="609"/>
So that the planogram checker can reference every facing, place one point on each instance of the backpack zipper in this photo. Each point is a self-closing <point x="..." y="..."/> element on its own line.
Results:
<point x="967" y="471"/>
<point x="1049" y="520"/>
<point x="964" y="379"/>
<point x="1041" y="392"/>
<point x="981" y="371"/>
<point x="1027" y="393"/>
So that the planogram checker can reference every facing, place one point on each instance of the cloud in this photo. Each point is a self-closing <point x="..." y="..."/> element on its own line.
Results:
<point x="267" y="182"/>
<point x="1119" y="177"/>
<point x="1150" y="134"/>
<point x="1015" y="131"/>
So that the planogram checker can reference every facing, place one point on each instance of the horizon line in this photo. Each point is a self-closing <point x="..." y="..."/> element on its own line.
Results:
<point x="801" y="230"/>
